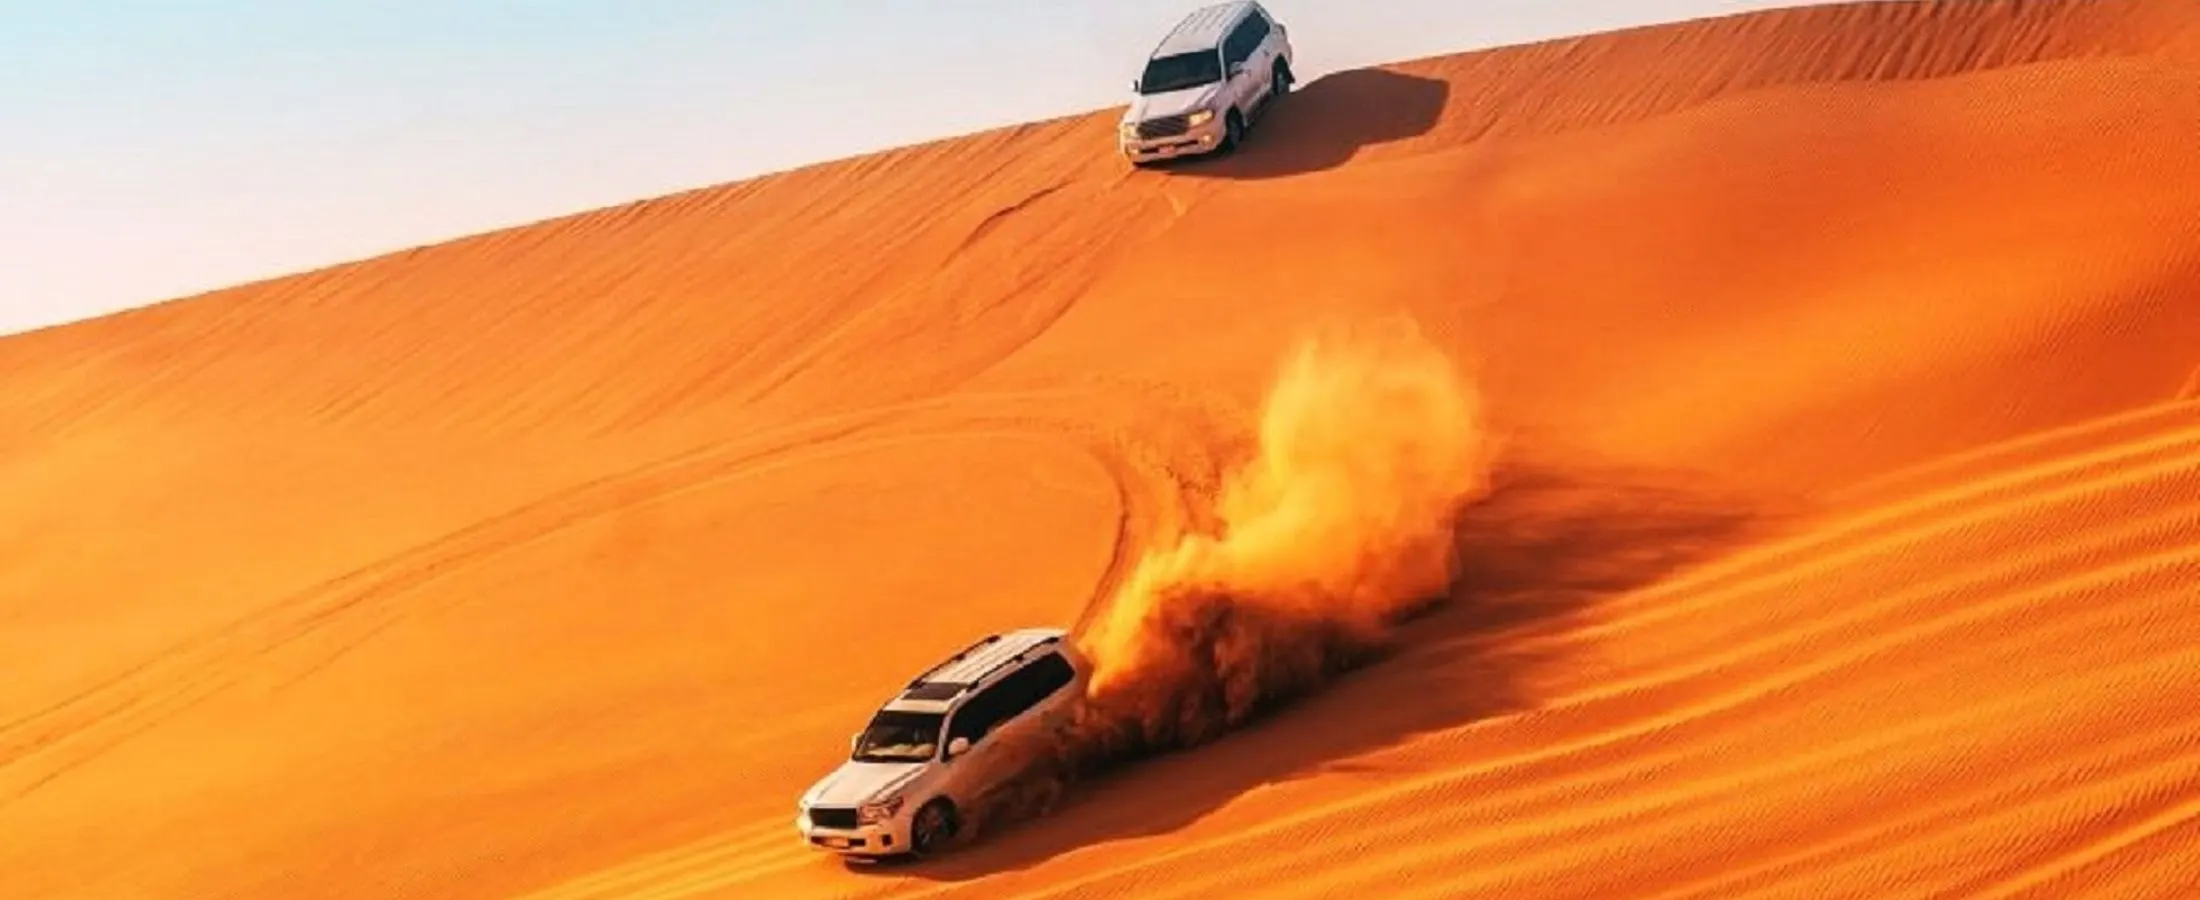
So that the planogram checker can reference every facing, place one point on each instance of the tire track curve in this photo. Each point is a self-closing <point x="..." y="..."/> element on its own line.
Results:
<point x="298" y="634"/>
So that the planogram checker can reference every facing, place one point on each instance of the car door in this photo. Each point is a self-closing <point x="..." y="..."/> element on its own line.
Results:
<point x="1042" y="695"/>
<point x="996" y="729"/>
<point x="976" y="720"/>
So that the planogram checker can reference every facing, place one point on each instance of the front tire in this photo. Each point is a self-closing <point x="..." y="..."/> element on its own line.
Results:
<point x="934" y="825"/>
<point x="1233" y="131"/>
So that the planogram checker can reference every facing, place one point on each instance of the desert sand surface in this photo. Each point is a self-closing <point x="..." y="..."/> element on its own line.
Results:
<point x="1812" y="398"/>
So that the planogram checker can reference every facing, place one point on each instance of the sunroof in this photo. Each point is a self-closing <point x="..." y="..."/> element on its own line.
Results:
<point x="934" y="690"/>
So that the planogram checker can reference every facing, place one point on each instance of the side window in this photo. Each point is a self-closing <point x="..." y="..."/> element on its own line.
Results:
<point x="1011" y="697"/>
<point x="1256" y="29"/>
<point x="978" y="716"/>
<point x="1049" y="675"/>
<point x="1235" y="47"/>
<point x="1017" y="693"/>
<point x="1038" y="681"/>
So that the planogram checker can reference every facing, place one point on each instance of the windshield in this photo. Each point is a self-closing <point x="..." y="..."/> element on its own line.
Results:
<point x="899" y="737"/>
<point x="1184" y="70"/>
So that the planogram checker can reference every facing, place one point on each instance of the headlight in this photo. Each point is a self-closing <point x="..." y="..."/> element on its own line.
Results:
<point x="1199" y="118"/>
<point x="878" y="812"/>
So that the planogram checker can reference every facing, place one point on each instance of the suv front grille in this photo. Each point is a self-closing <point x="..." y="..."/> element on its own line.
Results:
<point x="832" y="817"/>
<point x="1166" y="126"/>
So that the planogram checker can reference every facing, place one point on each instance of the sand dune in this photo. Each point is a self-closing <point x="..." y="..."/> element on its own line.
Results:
<point x="1842" y="537"/>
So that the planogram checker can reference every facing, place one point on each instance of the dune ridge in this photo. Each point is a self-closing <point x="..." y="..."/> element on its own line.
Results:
<point x="1841" y="543"/>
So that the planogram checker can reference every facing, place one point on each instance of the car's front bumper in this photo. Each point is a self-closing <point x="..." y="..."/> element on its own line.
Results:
<point x="1196" y="141"/>
<point x="876" y="839"/>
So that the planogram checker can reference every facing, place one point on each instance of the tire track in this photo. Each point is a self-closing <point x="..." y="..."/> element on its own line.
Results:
<point x="1161" y="446"/>
<point x="300" y="634"/>
<point x="306" y="631"/>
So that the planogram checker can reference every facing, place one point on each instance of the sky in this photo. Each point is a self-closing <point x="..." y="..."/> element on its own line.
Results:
<point x="152" y="149"/>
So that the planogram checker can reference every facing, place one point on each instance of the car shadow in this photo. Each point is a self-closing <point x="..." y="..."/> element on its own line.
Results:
<point x="1323" y="123"/>
<point x="1536" y="554"/>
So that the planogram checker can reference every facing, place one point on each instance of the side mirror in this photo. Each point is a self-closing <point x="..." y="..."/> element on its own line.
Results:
<point x="1236" y="69"/>
<point x="1134" y="85"/>
<point x="855" y="740"/>
<point x="958" y="747"/>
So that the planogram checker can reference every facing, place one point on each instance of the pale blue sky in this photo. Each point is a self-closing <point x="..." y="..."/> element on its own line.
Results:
<point x="155" y="148"/>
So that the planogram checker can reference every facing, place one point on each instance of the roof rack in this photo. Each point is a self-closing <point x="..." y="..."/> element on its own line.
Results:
<point x="1019" y="656"/>
<point x="964" y="654"/>
<point x="978" y="654"/>
<point x="1003" y="664"/>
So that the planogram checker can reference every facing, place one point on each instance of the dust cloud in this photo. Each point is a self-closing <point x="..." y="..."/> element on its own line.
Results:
<point x="1370" y="442"/>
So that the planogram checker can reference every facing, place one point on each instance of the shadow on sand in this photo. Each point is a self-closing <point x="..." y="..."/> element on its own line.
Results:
<point x="1537" y="552"/>
<point x="1322" y="124"/>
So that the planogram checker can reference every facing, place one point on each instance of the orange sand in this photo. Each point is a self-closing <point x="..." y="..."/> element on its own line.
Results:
<point x="1844" y="541"/>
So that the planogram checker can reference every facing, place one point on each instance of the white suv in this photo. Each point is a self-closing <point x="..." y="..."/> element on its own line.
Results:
<point x="940" y="745"/>
<point x="1213" y="75"/>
